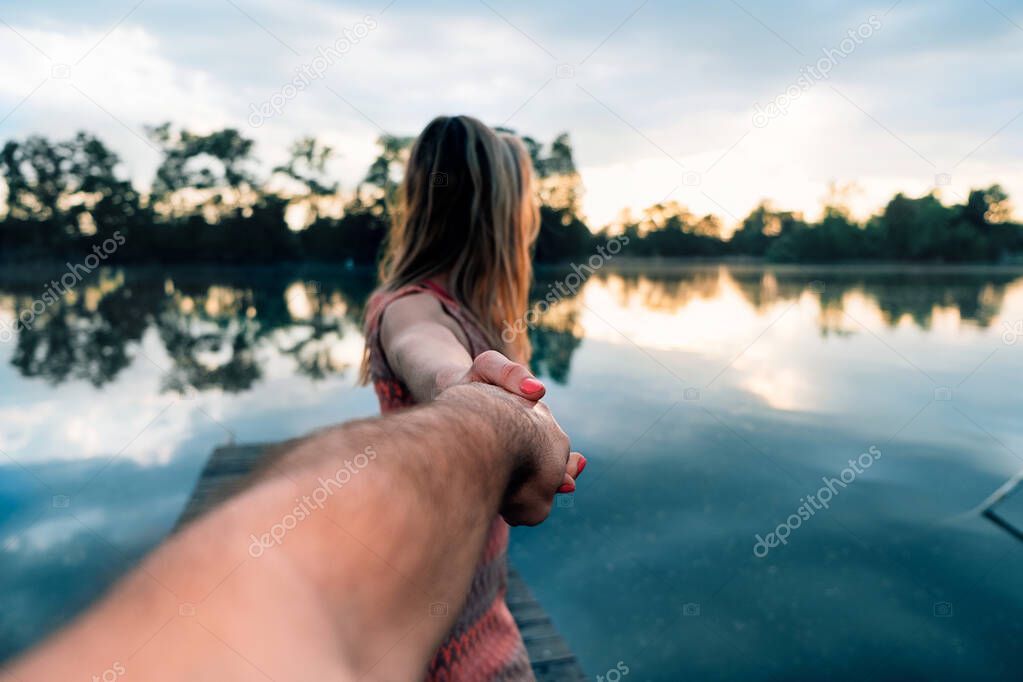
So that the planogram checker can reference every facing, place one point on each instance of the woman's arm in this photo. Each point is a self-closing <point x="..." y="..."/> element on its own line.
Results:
<point x="426" y="348"/>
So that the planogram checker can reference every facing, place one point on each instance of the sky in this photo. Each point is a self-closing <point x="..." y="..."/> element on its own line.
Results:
<point x="714" y="105"/>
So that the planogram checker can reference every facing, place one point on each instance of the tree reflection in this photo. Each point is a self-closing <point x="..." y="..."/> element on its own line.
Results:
<point x="83" y="336"/>
<point x="213" y="335"/>
<point x="976" y="297"/>
<point x="210" y="340"/>
<point x="666" y="291"/>
<point x="220" y="329"/>
<point x="555" y="337"/>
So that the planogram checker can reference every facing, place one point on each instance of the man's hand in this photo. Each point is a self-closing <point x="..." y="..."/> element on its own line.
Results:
<point x="492" y="367"/>
<point x="541" y="462"/>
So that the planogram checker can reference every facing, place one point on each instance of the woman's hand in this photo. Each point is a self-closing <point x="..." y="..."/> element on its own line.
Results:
<point x="492" y="367"/>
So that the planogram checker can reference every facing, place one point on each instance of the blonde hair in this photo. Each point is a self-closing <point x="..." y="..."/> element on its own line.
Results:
<point x="467" y="208"/>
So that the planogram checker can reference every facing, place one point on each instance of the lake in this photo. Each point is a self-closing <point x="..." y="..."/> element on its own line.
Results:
<point x="785" y="462"/>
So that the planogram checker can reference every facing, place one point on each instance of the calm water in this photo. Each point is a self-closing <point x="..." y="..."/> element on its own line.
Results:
<point x="710" y="401"/>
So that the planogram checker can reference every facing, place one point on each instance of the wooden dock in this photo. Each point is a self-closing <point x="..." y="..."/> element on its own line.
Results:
<point x="552" y="659"/>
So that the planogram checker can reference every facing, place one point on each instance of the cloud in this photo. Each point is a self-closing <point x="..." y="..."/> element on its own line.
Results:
<point x="936" y="78"/>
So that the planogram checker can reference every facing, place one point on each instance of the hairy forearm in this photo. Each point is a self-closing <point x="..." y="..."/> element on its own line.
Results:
<point x="325" y="567"/>
<point x="407" y="530"/>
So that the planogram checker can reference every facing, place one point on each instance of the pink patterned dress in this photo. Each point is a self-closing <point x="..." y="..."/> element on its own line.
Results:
<point x="484" y="643"/>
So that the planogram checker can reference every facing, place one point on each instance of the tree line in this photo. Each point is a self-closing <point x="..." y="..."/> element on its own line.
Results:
<point x="208" y="203"/>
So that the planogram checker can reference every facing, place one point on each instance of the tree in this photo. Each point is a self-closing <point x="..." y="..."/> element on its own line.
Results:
<point x="59" y="193"/>
<point x="560" y="183"/>
<point x="563" y="234"/>
<point x="381" y="174"/>
<point x="670" y="230"/>
<point x="760" y="228"/>
<point x="215" y="164"/>
<point x="307" y="168"/>
<point x="63" y="198"/>
<point x="307" y="164"/>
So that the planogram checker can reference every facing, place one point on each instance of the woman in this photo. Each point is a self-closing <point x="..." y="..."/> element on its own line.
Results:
<point x="455" y="274"/>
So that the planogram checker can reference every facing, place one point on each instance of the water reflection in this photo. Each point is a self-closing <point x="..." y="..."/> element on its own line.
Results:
<point x="797" y="369"/>
<point x="219" y="329"/>
<point x="216" y="328"/>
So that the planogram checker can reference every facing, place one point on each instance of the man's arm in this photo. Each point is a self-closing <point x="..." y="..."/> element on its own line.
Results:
<point x="349" y="560"/>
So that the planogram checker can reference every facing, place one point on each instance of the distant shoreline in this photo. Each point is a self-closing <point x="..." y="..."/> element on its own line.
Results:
<point x="667" y="265"/>
<point x="624" y="266"/>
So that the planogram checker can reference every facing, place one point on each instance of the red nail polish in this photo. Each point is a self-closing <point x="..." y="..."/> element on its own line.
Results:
<point x="582" y="465"/>
<point x="530" y="385"/>
<point x="567" y="488"/>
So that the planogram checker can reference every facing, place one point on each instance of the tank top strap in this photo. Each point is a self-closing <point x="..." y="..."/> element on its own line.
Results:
<point x="438" y="290"/>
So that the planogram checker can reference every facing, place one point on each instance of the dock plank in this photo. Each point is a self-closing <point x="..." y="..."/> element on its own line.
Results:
<point x="551" y="657"/>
